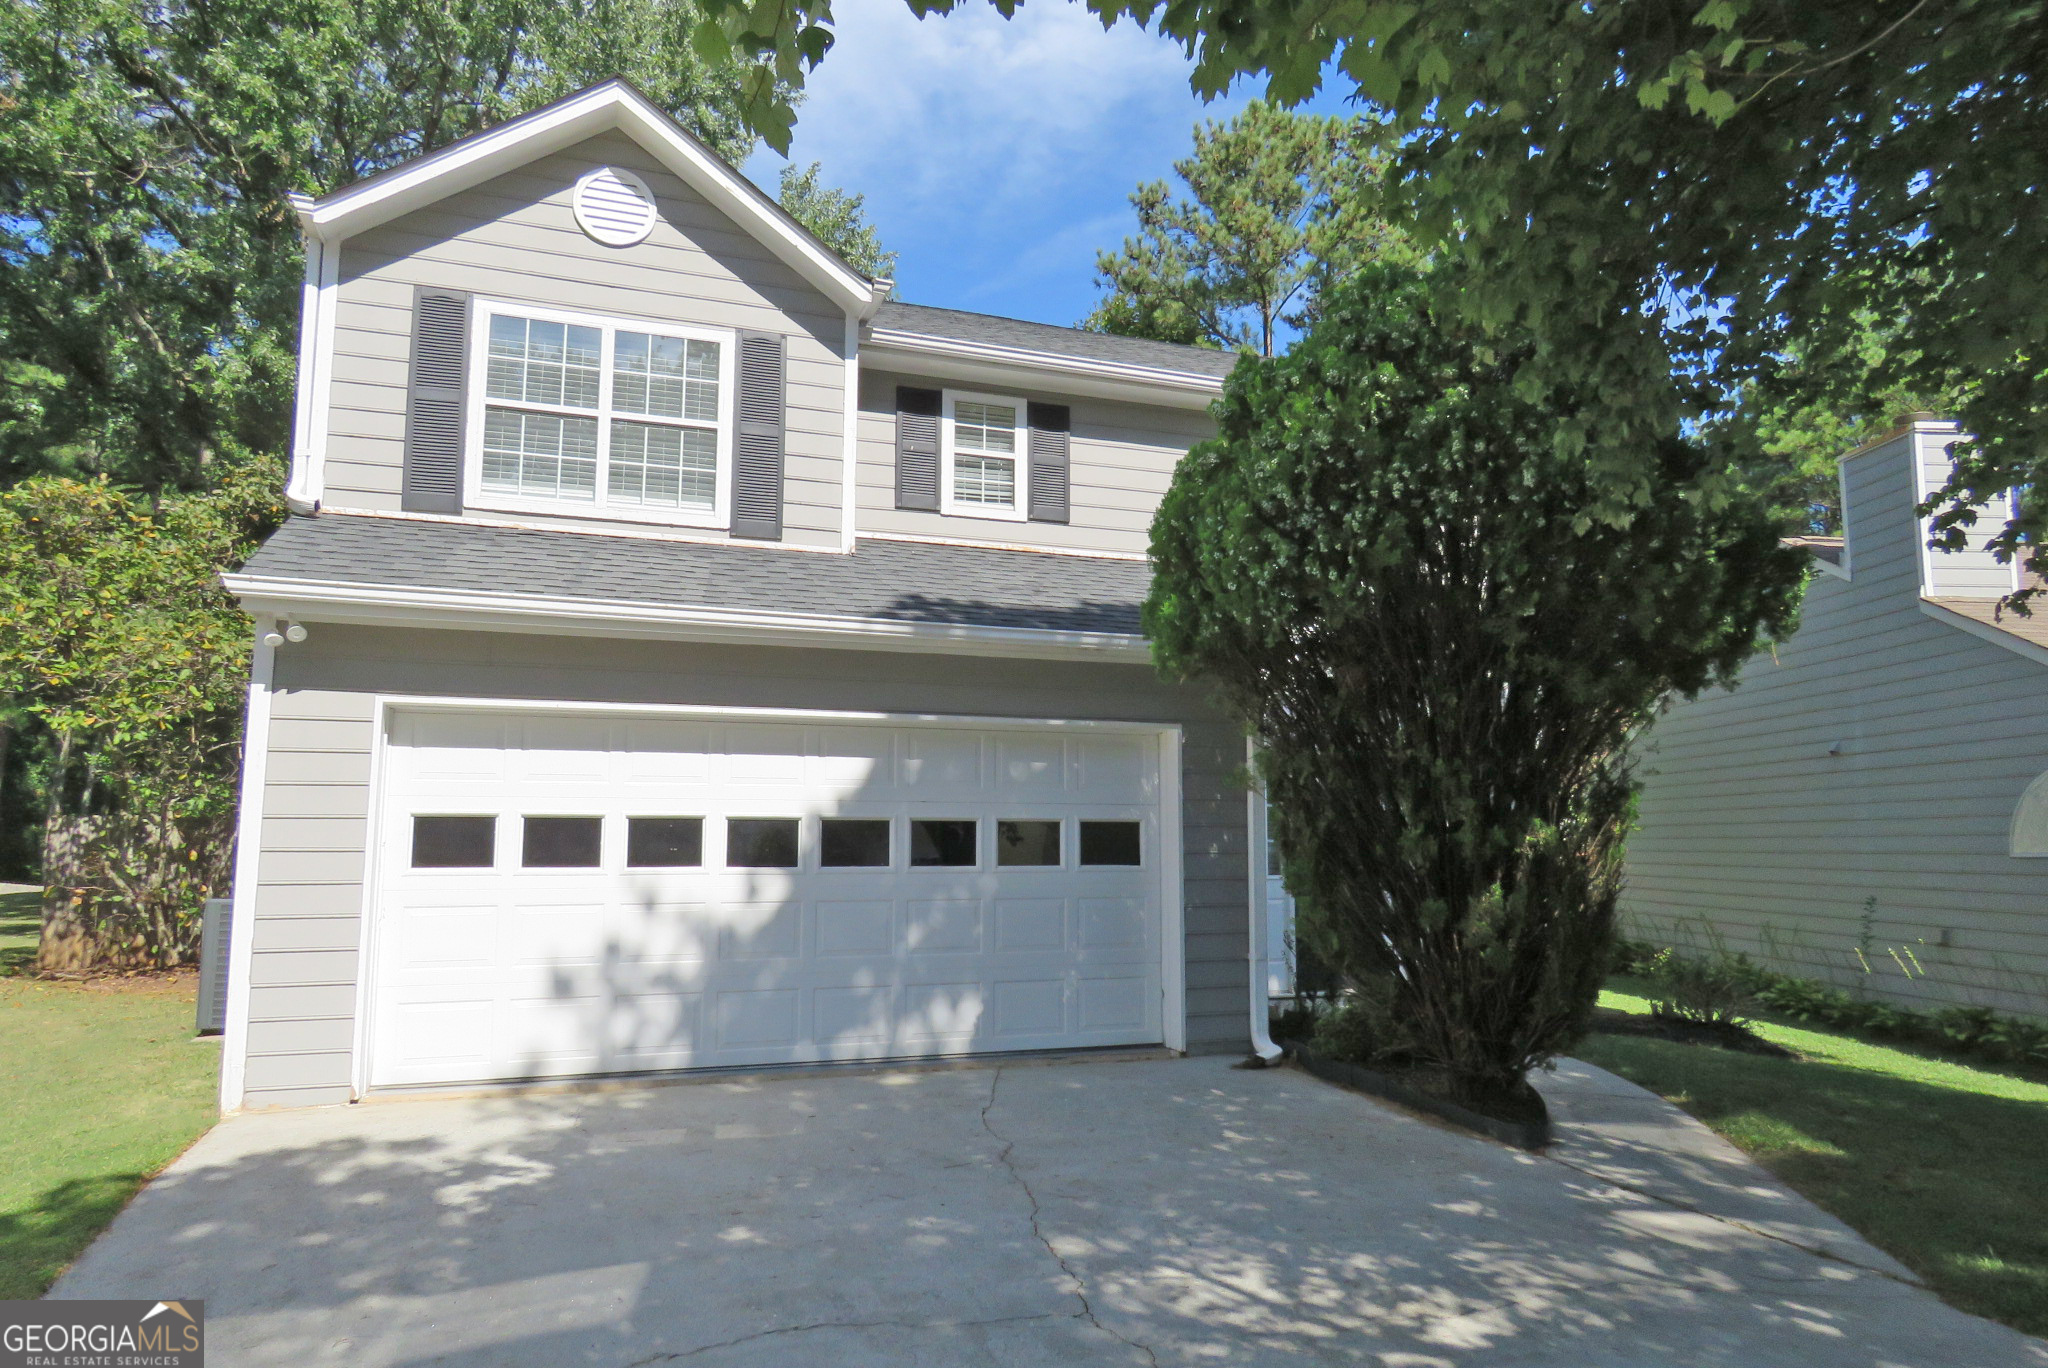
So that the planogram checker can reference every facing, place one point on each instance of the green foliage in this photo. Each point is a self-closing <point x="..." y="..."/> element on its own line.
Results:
<point x="151" y="287"/>
<point x="837" y="219"/>
<point x="1388" y="567"/>
<point x="1279" y="206"/>
<point x="1796" y="429"/>
<point x="1715" y="990"/>
<point x="123" y="644"/>
<point x="1753" y="175"/>
<point x="1966" y="1030"/>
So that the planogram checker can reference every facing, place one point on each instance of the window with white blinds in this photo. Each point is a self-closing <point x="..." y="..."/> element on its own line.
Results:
<point x="985" y="438"/>
<point x="602" y="416"/>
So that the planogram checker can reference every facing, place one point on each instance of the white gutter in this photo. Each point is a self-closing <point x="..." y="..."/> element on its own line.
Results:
<point x="1163" y="385"/>
<point x="471" y="610"/>
<point x="1263" y="1048"/>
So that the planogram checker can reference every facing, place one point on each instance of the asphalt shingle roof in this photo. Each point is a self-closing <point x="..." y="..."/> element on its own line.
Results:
<point x="884" y="580"/>
<point x="959" y="326"/>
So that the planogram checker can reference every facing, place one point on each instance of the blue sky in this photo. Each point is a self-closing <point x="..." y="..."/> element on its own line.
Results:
<point x="997" y="156"/>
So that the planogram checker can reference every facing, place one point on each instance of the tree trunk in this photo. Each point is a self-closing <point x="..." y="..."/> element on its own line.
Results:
<point x="66" y="942"/>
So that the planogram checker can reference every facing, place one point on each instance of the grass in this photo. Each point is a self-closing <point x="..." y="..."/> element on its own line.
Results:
<point x="101" y="1085"/>
<point x="1938" y="1163"/>
<point x="20" y="921"/>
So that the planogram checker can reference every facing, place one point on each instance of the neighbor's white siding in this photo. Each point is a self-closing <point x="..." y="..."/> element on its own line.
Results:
<point x="1900" y="842"/>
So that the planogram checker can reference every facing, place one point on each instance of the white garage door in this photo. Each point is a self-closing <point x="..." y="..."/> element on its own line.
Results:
<point x="575" y="894"/>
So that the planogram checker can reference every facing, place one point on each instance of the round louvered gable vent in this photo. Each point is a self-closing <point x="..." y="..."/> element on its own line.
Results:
<point x="614" y="206"/>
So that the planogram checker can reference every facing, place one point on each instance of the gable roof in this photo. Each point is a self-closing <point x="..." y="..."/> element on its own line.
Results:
<point x="605" y="107"/>
<point x="957" y="325"/>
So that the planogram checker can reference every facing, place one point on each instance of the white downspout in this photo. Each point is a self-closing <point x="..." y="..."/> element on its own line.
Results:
<point x="1264" y="1051"/>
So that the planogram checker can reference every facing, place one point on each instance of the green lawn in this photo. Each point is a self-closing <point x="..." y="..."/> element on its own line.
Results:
<point x="1942" y="1165"/>
<point x="101" y="1085"/>
<point x="20" y="916"/>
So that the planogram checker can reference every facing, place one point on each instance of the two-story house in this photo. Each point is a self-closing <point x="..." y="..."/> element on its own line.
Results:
<point x="683" y="657"/>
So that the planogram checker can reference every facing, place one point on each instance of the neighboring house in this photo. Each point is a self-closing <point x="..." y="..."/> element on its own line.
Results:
<point x="1875" y="791"/>
<point x="685" y="658"/>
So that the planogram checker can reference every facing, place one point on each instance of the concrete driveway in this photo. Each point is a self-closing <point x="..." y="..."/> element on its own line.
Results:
<point x="1105" y="1212"/>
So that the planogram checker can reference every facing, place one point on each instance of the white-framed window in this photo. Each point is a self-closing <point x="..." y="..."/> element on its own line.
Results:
<point x="985" y="446"/>
<point x="572" y="413"/>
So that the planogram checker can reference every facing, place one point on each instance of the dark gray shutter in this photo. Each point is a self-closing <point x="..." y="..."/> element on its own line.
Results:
<point x="757" y="451"/>
<point x="1050" y="428"/>
<point x="917" y="447"/>
<point x="432" y="482"/>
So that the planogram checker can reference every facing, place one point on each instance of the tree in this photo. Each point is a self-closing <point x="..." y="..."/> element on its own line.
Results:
<point x="837" y="219"/>
<point x="151" y="283"/>
<point x="1387" y="569"/>
<point x="123" y="645"/>
<point x="1736" y="176"/>
<point x="1792" y="435"/>
<point x="1278" y="207"/>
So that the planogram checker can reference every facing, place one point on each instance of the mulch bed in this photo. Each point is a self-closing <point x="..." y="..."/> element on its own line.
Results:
<point x="1608" y="1021"/>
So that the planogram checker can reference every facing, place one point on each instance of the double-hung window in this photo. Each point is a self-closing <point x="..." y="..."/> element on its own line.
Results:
<point x="986" y="445"/>
<point x="578" y="414"/>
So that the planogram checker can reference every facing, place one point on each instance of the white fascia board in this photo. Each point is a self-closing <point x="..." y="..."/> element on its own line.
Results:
<point x="994" y="366"/>
<point x="602" y="108"/>
<point x="1997" y="636"/>
<point x="472" y="610"/>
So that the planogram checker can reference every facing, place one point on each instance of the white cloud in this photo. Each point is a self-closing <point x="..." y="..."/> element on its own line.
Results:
<point x="997" y="155"/>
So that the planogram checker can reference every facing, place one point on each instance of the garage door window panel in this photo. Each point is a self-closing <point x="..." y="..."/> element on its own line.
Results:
<point x="853" y="843"/>
<point x="562" y="843"/>
<point x="761" y="843"/>
<point x="1028" y="843"/>
<point x="942" y="843"/>
<point x="454" y="842"/>
<point x="664" y="842"/>
<point x="1112" y="844"/>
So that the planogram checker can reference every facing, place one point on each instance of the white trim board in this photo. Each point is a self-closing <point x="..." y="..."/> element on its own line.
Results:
<point x="608" y="106"/>
<point x="248" y="853"/>
<point x="473" y="610"/>
<point x="1171" y="808"/>
<point x="992" y="366"/>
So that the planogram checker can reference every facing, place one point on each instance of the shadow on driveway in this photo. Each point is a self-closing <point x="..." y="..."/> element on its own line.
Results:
<point x="1175" y="1212"/>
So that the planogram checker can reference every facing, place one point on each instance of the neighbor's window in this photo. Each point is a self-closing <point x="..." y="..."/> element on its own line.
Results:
<point x="610" y="417"/>
<point x="985" y="440"/>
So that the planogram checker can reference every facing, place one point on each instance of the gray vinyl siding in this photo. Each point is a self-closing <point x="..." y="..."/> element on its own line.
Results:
<point x="1122" y="458"/>
<point x="1750" y="827"/>
<point x="515" y="238"/>
<point x="310" y="897"/>
<point x="1971" y="573"/>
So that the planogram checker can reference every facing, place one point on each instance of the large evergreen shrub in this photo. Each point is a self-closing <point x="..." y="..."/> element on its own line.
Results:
<point x="1390" y="565"/>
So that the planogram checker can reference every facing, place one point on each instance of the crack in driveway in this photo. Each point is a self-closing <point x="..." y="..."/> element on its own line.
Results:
<point x="848" y="1325"/>
<point x="1080" y="1287"/>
